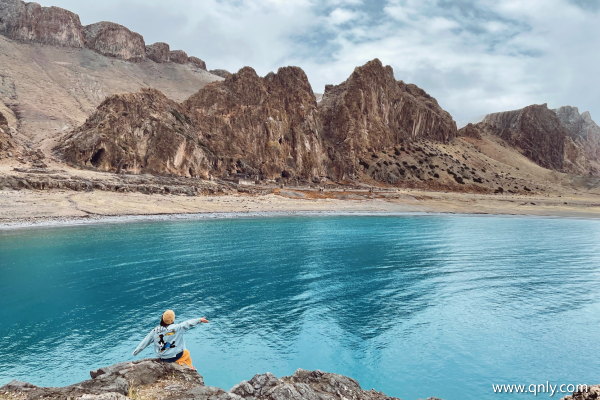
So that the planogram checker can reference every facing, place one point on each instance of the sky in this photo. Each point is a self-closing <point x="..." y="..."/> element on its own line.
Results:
<point x="473" y="56"/>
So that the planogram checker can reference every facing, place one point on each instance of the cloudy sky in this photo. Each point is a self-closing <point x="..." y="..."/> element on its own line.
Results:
<point x="474" y="56"/>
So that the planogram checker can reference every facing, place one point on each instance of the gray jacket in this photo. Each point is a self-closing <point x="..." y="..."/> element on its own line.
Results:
<point x="168" y="341"/>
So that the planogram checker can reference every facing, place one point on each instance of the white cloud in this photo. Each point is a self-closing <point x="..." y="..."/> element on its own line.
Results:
<point x="341" y="16"/>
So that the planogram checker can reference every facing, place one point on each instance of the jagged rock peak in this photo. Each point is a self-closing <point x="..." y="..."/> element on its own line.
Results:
<point x="115" y="40"/>
<point x="158" y="52"/>
<point x="261" y="126"/>
<point x="31" y="22"/>
<point x="371" y="110"/>
<point x="142" y="132"/>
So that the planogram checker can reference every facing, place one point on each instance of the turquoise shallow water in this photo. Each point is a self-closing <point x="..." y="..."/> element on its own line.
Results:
<point x="415" y="306"/>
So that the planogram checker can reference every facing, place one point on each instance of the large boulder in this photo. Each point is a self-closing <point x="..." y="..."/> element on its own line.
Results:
<point x="372" y="111"/>
<point x="115" y="40"/>
<point x="158" y="52"/>
<point x="30" y="22"/>
<point x="142" y="132"/>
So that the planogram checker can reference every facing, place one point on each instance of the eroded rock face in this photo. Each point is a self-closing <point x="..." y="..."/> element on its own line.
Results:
<point x="178" y="56"/>
<point x="158" y="52"/>
<point x="582" y="129"/>
<point x="30" y="22"/>
<point x="197" y="63"/>
<point x="371" y="110"/>
<point x="138" y="132"/>
<point x="268" y="127"/>
<point x="115" y="40"/>
<point x="261" y="126"/>
<point x="536" y="130"/>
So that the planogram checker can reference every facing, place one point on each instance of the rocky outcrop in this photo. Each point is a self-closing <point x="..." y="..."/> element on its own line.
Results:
<point x="138" y="132"/>
<point x="178" y="56"/>
<point x="146" y="376"/>
<point x="30" y="22"/>
<point x="591" y="393"/>
<point x="372" y="111"/>
<point x="261" y="126"/>
<point x="116" y="380"/>
<point x="115" y="40"/>
<point x="6" y="143"/>
<point x="197" y="63"/>
<point x="158" y="52"/>
<point x="536" y="131"/>
<point x="582" y="130"/>
<point x="469" y="130"/>
<point x="220" y="72"/>
<point x="302" y="385"/>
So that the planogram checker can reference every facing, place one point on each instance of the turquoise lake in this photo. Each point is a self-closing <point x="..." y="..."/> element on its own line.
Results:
<point x="414" y="306"/>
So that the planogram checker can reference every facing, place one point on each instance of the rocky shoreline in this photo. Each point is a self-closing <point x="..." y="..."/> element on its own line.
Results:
<point x="152" y="379"/>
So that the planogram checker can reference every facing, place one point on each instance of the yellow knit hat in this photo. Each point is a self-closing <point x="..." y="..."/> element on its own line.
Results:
<point x="168" y="317"/>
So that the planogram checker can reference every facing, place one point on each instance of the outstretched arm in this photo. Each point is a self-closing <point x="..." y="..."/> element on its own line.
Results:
<point x="145" y="343"/>
<point x="192" y="322"/>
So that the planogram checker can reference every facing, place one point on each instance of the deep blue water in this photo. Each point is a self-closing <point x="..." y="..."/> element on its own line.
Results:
<point x="415" y="306"/>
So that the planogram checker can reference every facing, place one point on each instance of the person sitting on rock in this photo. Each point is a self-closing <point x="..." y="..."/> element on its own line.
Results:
<point x="174" y="350"/>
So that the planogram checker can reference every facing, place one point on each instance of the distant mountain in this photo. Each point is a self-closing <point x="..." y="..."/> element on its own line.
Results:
<point x="54" y="72"/>
<point x="561" y="139"/>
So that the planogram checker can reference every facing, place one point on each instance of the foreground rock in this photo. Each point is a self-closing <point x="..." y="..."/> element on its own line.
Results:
<point x="152" y="379"/>
<point x="593" y="393"/>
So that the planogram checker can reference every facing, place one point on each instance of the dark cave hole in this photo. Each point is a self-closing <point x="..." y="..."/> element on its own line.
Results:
<point x="97" y="157"/>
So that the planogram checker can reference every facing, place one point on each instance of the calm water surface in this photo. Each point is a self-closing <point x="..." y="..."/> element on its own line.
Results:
<point x="415" y="306"/>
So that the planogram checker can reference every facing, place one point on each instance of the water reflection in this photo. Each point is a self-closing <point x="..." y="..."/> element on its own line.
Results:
<point x="414" y="306"/>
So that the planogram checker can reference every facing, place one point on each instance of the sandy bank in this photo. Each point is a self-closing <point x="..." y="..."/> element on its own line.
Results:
<point x="31" y="208"/>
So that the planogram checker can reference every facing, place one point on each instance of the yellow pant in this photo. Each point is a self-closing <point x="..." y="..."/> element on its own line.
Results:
<point x="185" y="359"/>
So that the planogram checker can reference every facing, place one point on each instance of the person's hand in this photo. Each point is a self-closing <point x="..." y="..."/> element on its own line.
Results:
<point x="204" y="320"/>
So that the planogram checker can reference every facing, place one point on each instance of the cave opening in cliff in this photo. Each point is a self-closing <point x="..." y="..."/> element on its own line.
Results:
<point x="97" y="157"/>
